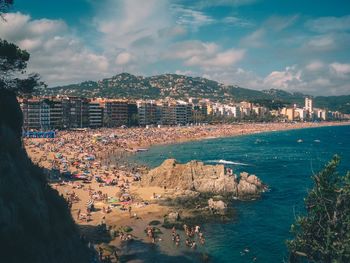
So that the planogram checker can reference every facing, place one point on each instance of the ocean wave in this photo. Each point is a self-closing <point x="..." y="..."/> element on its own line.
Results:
<point x="227" y="162"/>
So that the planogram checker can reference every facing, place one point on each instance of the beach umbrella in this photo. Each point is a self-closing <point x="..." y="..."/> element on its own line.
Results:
<point x="89" y="203"/>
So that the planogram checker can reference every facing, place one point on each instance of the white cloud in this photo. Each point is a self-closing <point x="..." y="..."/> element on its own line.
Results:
<point x="340" y="69"/>
<point x="237" y="21"/>
<point x="235" y="3"/>
<point x="221" y="59"/>
<point x="172" y="31"/>
<point x="254" y="39"/>
<point x="332" y="79"/>
<point x="55" y="53"/>
<point x="189" y="49"/>
<point x="314" y="65"/>
<point x="191" y="18"/>
<point x="284" y="79"/>
<point x="185" y="72"/>
<point x="324" y="42"/>
<point x="329" y="24"/>
<point x="235" y="76"/>
<point x="279" y="23"/>
<point x="123" y="58"/>
<point x="197" y="53"/>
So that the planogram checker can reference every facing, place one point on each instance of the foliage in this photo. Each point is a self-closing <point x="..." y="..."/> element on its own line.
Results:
<point x="323" y="234"/>
<point x="13" y="62"/>
<point x="337" y="103"/>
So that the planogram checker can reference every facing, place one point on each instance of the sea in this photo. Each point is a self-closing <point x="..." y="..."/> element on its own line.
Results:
<point x="285" y="160"/>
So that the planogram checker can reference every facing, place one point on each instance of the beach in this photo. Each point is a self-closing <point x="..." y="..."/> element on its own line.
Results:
<point x="100" y="174"/>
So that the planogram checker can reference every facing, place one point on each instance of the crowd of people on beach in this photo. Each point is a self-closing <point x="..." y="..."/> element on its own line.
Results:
<point x="89" y="167"/>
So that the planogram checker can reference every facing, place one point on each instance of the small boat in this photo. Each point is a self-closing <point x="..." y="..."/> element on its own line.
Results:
<point x="142" y="150"/>
<point x="317" y="141"/>
<point x="300" y="140"/>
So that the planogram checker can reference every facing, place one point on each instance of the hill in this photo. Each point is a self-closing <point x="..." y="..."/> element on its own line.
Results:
<point x="175" y="86"/>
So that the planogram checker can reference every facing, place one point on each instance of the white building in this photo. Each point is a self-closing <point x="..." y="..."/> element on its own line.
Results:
<point x="309" y="106"/>
<point x="301" y="113"/>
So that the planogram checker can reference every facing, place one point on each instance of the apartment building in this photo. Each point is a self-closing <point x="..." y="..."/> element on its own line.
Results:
<point x="95" y="114"/>
<point x="116" y="113"/>
<point x="147" y="111"/>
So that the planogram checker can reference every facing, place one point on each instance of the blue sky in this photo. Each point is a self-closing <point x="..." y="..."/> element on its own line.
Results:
<point x="259" y="44"/>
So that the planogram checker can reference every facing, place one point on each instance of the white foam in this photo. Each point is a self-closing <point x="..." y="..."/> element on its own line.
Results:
<point x="227" y="162"/>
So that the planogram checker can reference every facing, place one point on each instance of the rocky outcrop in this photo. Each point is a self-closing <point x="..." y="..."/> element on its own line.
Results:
<point x="198" y="177"/>
<point x="219" y="206"/>
<point x="35" y="222"/>
<point x="173" y="217"/>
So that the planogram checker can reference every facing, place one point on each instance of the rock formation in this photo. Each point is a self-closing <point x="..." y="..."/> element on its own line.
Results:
<point x="219" y="206"/>
<point x="196" y="176"/>
<point x="35" y="222"/>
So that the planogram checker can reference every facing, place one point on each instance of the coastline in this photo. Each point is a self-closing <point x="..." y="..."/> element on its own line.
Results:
<point x="266" y="127"/>
<point x="74" y="145"/>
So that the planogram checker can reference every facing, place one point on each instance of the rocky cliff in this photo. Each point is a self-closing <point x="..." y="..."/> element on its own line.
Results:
<point x="35" y="222"/>
<point x="196" y="176"/>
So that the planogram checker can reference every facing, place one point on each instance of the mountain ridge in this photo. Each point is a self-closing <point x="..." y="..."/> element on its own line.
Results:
<point x="126" y="85"/>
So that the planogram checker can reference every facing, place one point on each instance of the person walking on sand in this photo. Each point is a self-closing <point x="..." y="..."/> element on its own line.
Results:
<point x="78" y="214"/>
<point x="129" y="211"/>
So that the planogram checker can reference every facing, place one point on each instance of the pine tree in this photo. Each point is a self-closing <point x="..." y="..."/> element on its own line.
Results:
<point x="323" y="234"/>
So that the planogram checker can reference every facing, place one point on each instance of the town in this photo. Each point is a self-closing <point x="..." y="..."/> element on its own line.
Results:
<point x="65" y="112"/>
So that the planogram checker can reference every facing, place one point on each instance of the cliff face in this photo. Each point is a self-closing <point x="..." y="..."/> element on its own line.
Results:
<point x="35" y="222"/>
<point x="202" y="178"/>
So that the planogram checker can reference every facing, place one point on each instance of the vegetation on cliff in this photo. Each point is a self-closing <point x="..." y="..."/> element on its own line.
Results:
<point x="323" y="234"/>
<point x="35" y="222"/>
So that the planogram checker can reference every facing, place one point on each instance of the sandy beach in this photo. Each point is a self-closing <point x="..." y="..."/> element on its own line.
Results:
<point x="95" y="172"/>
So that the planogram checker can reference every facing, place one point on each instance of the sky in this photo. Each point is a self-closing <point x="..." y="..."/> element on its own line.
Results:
<point x="294" y="45"/>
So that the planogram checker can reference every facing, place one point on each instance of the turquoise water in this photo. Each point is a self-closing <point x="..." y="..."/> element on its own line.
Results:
<point x="280" y="161"/>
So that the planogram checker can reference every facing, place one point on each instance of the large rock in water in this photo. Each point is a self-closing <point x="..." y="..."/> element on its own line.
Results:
<point x="217" y="206"/>
<point x="197" y="176"/>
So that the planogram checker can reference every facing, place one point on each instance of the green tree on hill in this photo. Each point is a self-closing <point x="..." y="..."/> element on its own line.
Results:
<point x="323" y="234"/>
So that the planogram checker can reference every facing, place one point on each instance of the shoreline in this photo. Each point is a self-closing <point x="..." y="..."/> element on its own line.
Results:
<point x="71" y="151"/>
<point x="306" y="125"/>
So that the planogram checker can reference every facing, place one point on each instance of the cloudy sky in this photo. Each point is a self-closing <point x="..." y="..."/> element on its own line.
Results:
<point x="295" y="45"/>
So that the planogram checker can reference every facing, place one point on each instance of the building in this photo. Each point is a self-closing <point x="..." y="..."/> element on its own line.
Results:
<point x="116" y="113"/>
<point x="167" y="113"/>
<point x="321" y="115"/>
<point x="132" y="114"/>
<point x="260" y="111"/>
<point x="95" y="114"/>
<point x="183" y="113"/>
<point x="289" y="113"/>
<point x="45" y="114"/>
<point x="36" y="114"/>
<point x="300" y="114"/>
<point x="31" y="114"/>
<point x="75" y="112"/>
<point x="309" y="107"/>
<point x="56" y="114"/>
<point x="148" y="112"/>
